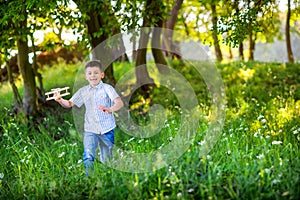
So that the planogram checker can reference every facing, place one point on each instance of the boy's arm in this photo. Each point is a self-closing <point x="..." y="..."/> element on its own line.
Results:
<point x="63" y="102"/>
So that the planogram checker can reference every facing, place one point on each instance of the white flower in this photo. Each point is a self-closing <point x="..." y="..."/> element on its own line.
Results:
<point x="275" y="181"/>
<point x="74" y="144"/>
<point x="1" y="175"/>
<point x="263" y="121"/>
<point x="276" y="142"/>
<point x="228" y="152"/>
<point x="190" y="190"/>
<point x="179" y="195"/>
<point x="295" y="132"/>
<point x="62" y="154"/>
<point x="79" y="161"/>
<point x="260" y="117"/>
<point x="267" y="170"/>
<point x="130" y="139"/>
<point x="260" y="156"/>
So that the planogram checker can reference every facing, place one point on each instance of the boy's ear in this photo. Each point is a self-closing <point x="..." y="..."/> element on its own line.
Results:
<point x="102" y="75"/>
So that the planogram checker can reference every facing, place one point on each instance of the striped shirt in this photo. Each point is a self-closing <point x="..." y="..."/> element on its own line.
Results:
<point x="95" y="120"/>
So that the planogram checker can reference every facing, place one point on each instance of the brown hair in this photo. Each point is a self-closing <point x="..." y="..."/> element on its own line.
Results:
<point x="94" y="63"/>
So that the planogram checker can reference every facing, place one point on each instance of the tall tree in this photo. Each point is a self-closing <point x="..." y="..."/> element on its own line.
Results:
<point x="214" y="19"/>
<point x="168" y="43"/>
<point x="287" y="34"/>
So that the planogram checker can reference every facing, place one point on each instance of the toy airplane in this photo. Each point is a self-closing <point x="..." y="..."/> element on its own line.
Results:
<point x="50" y="95"/>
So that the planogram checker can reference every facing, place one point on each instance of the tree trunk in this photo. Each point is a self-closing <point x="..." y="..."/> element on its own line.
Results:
<point x="29" y="98"/>
<point x="241" y="51"/>
<point x="251" y="47"/>
<point x="41" y="90"/>
<point x="230" y="53"/>
<point x="156" y="46"/>
<point x="218" y="52"/>
<point x="168" y="43"/>
<point x="142" y="75"/>
<point x="287" y="34"/>
<point x="17" y="97"/>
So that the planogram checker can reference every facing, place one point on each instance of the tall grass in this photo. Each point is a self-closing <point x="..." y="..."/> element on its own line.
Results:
<point x="256" y="157"/>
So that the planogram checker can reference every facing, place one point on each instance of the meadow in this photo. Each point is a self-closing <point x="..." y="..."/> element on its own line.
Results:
<point x="257" y="155"/>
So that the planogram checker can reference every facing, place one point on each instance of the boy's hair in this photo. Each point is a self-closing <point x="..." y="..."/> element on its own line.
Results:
<point x="94" y="63"/>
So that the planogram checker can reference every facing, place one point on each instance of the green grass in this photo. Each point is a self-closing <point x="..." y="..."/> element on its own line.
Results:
<point x="256" y="157"/>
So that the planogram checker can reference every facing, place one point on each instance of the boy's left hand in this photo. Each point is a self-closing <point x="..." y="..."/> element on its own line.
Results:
<point x="104" y="109"/>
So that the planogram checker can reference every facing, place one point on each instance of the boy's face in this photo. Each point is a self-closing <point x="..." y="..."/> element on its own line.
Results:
<point x="93" y="75"/>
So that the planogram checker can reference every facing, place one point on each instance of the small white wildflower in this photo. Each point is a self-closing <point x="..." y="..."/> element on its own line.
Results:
<point x="267" y="136"/>
<point x="260" y="117"/>
<point x="171" y="138"/>
<point x="275" y="181"/>
<point x="190" y="190"/>
<point x="280" y="131"/>
<point x="179" y="195"/>
<point x="62" y="154"/>
<point x="228" y="152"/>
<point x="295" y="132"/>
<point x="141" y="140"/>
<point x="208" y="157"/>
<point x="263" y="121"/>
<point x="1" y="175"/>
<point x="130" y="139"/>
<point x="256" y="134"/>
<point x="79" y="161"/>
<point x="201" y="143"/>
<point x="267" y="170"/>
<point x="276" y="142"/>
<point x="260" y="156"/>
<point x="74" y="144"/>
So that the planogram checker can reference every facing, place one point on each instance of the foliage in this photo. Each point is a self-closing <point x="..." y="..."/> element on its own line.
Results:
<point x="256" y="157"/>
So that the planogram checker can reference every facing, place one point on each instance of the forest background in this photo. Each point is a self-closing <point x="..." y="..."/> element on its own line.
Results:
<point x="255" y="46"/>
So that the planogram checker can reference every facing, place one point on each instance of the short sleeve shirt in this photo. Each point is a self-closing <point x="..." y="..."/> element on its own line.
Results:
<point x="95" y="120"/>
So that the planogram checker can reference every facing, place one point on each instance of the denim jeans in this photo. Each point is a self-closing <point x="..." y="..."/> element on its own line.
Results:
<point x="91" y="141"/>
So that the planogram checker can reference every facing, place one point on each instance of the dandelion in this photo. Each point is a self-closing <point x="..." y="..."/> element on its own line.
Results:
<point x="62" y="154"/>
<point x="276" y="142"/>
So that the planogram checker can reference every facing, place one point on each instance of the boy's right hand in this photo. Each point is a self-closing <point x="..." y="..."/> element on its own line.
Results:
<point x="57" y="96"/>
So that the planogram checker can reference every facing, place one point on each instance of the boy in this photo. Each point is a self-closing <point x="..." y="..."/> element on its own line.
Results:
<point x="100" y="101"/>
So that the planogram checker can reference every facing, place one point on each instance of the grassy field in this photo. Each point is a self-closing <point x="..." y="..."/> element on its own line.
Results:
<point x="256" y="157"/>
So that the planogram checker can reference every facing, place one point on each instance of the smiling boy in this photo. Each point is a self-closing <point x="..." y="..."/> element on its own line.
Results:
<point x="100" y="100"/>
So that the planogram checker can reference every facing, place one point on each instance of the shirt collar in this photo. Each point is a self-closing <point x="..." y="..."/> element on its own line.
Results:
<point x="100" y="85"/>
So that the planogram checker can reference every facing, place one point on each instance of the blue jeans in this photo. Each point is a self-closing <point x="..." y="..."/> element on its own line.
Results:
<point x="91" y="141"/>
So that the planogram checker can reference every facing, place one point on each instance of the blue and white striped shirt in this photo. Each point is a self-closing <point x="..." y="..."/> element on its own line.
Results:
<point x="95" y="120"/>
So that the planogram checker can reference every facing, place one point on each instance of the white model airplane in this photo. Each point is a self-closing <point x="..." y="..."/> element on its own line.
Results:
<point x="50" y="95"/>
